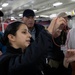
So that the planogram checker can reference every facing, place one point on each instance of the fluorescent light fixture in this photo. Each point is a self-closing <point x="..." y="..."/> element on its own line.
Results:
<point x="73" y="0"/>
<point x="37" y="16"/>
<point x="0" y="8"/>
<point x="5" y="4"/>
<point x="57" y="3"/>
<point x="53" y="15"/>
<point x="35" y="10"/>
<point x="20" y="15"/>
<point x="44" y="16"/>
<point x="12" y="18"/>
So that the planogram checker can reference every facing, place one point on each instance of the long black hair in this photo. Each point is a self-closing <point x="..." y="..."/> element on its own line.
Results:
<point x="10" y="29"/>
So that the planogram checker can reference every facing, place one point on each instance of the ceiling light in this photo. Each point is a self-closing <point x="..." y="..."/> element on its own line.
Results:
<point x="35" y="10"/>
<point x="37" y="16"/>
<point x="57" y="3"/>
<point x="44" y="16"/>
<point x="12" y="18"/>
<point x="0" y="8"/>
<point x="20" y="15"/>
<point x="53" y="15"/>
<point x="73" y="0"/>
<point x="4" y="5"/>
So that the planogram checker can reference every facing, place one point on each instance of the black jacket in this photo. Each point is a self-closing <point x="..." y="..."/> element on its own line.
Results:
<point x="14" y="62"/>
<point x="38" y="29"/>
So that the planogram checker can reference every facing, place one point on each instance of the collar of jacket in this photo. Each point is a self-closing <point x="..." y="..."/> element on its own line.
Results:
<point x="10" y="49"/>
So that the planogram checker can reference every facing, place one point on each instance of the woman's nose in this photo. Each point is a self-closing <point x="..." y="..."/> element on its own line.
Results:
<point x="29" y="34"/>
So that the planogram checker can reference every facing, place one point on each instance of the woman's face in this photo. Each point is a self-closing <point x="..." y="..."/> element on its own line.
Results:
<point x="22" y="37"/>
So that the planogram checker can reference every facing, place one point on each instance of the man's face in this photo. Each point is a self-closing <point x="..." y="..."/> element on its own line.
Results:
<point x="29" y="21"/>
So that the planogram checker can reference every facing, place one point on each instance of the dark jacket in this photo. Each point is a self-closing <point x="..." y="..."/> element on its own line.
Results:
<point x="38" y="29"/>
<point x="14" y="62"/>
<point x="56" y="55"/>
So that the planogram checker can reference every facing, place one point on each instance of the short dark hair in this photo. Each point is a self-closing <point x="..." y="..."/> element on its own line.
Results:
<point x="28" y="12"/>
<point x="1" y="14"/>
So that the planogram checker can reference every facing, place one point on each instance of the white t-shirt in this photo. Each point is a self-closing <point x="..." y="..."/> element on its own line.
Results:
<point x="70" y="42"/>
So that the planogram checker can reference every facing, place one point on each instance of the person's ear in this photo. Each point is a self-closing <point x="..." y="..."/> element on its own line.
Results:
<point x="11" y="37"/>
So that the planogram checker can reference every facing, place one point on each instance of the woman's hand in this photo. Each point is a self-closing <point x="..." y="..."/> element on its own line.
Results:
<point x="65" y="62"/>
<point x="69" y="57"/>
<point x="56" y="26"/>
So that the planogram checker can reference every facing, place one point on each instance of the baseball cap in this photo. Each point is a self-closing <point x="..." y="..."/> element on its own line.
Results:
<point x="1" y="14"/>
<point x="28" y="12"/>
<point x="63" y="14"/>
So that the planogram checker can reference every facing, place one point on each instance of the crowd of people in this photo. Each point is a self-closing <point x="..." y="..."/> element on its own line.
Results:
<point x="32" y="49"/>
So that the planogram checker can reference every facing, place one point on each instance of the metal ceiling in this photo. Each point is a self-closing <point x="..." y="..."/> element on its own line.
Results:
<point x="43" y="7"/>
